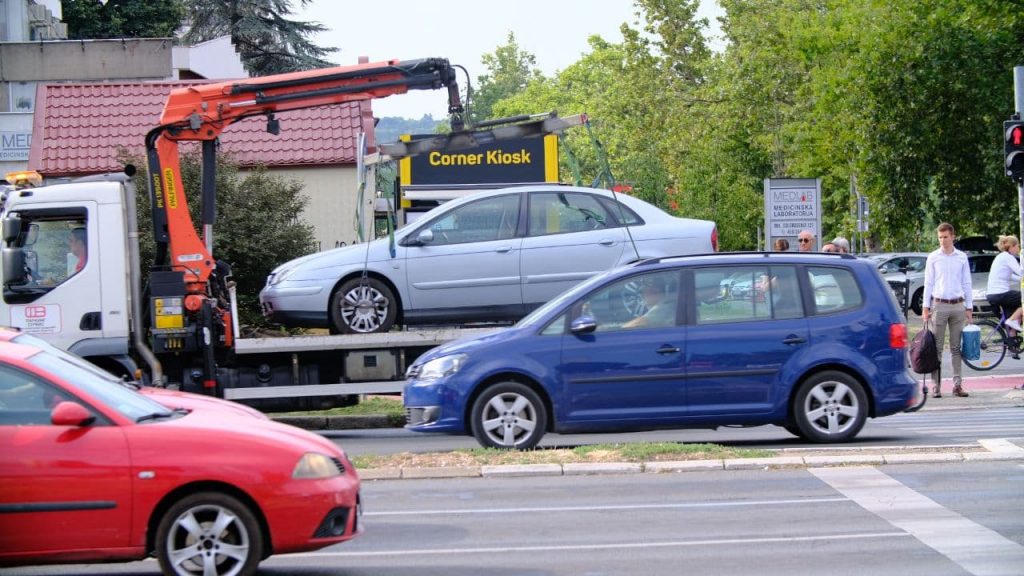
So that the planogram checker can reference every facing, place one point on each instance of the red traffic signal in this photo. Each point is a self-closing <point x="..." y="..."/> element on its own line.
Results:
<point x="1013" y="147"/>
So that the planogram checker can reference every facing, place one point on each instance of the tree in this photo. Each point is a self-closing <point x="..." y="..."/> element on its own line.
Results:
<point x="510" y="70"/>
<point x="267" y="41"/>
<point x="96" y="19"/>
<point x="256" y="227"/>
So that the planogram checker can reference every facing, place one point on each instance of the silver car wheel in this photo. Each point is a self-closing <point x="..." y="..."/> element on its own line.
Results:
<point x="211" y="535"/>
<point x="363" y="305"/>
<point x="633" y="299"/>
<point x="364" y="309"/>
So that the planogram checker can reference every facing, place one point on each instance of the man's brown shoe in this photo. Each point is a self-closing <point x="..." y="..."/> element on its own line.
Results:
<point x="958" y="391"/>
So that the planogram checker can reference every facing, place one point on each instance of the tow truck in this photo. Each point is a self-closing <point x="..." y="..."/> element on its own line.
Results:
<point x="184" y="329"/>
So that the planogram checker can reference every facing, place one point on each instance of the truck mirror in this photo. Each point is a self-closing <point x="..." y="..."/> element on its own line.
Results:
<point x="12" y="228"/>
<point x="14" y="265"/>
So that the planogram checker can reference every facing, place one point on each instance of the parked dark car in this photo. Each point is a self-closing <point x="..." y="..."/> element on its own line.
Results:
<point x="814" y="343"/>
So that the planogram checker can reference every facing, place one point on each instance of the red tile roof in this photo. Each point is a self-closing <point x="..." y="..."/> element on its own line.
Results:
<point x="80" y="129"/>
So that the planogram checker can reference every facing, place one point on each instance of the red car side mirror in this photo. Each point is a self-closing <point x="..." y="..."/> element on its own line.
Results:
<point x="71" y="414"/>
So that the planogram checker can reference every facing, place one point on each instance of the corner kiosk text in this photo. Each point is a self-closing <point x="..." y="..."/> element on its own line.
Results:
<point x="491" y="158"/>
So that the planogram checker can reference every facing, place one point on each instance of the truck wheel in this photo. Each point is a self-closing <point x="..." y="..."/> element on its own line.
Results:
<point x="361" y="306"/>
<point x="209" y="533"/>
<point x="509" y="415"/>
<point x="830" y="407"/>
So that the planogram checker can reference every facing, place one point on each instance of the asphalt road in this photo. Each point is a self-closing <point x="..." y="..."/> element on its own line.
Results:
<point x="911" y="520"/>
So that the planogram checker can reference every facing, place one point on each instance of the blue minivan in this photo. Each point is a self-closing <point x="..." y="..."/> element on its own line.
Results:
<point x="814" y="343"/>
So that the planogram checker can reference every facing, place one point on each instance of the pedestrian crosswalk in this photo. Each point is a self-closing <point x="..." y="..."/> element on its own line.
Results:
<point x="961" y="425"/>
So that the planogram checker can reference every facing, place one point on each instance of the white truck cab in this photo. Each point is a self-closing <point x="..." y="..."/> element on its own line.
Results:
<point x="76" y="297"/>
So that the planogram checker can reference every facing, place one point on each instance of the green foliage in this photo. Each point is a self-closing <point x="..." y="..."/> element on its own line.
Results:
<point x="595" y="453"/>
<point x="256" y="227"/>
<point x="97" y="19"/>
<point x="267" y="41"/>
<point x="907" y="97"/>
<point x="645" y="451"/>
<point x="510" y="70"/>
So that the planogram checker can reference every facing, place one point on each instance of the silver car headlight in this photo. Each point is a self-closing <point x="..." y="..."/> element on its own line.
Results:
<point x="441" y="367"/>
<point x="315" y="465"/>
<point x="277" y="277"/>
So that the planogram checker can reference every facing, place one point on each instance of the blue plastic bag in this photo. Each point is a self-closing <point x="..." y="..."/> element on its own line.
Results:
<point x="970" y="342"/>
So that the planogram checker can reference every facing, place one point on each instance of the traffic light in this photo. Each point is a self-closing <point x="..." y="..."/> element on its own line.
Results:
<point x="1013" y="146"/>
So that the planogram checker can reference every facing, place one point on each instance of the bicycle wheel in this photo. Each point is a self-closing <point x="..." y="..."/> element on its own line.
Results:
<point x="993" y="346"/>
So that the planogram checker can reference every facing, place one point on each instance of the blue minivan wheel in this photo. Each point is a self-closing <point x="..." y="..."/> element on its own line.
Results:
<point x="830" y="406"/>
<point x="509" y="415"/>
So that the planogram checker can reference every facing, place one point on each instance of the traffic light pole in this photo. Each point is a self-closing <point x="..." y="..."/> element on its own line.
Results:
<point x="1018" y="101"/>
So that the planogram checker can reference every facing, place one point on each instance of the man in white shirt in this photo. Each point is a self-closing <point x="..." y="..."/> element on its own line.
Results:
<point x="947" y="301"/>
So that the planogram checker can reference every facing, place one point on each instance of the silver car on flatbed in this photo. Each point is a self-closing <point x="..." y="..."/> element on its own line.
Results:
<point x="489" y="256"/>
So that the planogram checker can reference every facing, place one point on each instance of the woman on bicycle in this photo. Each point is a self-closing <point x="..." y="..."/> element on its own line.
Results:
<point x="1004" y="283"/>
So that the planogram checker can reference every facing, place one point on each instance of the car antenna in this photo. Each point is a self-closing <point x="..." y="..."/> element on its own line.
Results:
<point x="606" y="175"/>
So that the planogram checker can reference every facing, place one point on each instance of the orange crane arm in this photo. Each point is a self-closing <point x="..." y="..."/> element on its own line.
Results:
<point x="202" y="112"/>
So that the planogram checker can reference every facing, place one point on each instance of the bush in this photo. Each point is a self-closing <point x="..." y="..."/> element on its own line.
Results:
<point x="257" y="225"/>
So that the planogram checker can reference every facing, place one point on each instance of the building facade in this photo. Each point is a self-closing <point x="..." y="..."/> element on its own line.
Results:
<point x="72" y="108"/>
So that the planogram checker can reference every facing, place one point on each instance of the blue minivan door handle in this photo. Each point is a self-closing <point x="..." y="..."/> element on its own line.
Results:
<point x="794" y="339"/>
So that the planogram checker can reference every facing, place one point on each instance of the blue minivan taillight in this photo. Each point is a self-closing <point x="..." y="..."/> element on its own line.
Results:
<point x="897" y="335"/>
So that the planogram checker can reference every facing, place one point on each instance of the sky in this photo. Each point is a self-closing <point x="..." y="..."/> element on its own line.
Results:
<point x="554" y="31"/>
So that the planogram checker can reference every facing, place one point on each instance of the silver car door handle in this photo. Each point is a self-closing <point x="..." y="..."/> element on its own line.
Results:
<point x="503" y="249"/>
<point x="607" y="241"/>
<point x="667" y="349"/>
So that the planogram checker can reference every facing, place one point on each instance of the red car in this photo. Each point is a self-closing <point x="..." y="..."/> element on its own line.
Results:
<point x="94" y="472"/>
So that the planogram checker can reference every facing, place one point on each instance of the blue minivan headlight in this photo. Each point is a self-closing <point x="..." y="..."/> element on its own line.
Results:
<point x="441" y="367"/>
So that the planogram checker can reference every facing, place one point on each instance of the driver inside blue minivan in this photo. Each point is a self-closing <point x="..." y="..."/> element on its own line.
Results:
<point x="661" y="299"/>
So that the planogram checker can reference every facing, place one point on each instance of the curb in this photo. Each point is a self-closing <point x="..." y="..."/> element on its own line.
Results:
<point x="995" y="450"/>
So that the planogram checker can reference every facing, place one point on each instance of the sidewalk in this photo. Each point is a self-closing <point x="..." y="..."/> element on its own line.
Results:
<point x="985" y="392"/>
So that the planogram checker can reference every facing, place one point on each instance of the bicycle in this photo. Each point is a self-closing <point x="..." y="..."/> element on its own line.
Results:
<point x="994" y="344"/>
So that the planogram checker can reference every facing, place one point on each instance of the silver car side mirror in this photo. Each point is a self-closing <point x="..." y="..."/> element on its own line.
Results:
<point x="426" y="236"/>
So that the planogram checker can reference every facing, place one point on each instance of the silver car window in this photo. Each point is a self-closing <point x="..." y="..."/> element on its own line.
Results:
<point x="563" y="212"/>
<point x="494" y="218"/>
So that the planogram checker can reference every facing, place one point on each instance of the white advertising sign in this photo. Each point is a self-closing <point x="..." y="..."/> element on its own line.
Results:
<point x="792" y="205"/>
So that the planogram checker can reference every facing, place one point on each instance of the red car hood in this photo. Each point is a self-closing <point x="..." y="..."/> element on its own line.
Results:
<point x="187" y="400"/>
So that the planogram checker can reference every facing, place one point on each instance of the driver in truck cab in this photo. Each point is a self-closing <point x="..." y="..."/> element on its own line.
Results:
<point x="78" y="246"/>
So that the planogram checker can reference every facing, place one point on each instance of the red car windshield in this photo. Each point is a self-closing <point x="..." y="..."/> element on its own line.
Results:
<point x="97" y="384"/>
